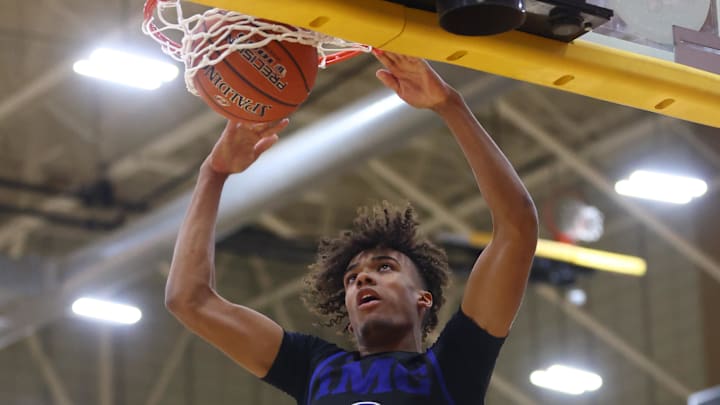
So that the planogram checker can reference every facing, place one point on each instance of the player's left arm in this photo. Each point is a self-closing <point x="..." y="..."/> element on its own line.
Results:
<point x="497" y="283"/>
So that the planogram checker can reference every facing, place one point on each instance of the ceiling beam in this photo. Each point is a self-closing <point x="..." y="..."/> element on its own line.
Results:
<point x="698" y="145"/>
<point x="617" y="343"/>
<point x="411" y="192"/>
<point x="157" y="150"/>
<point x="539" y="177"/>
<point x="172" y="361"/>
<point x="259" y="270"/>
<point x="598" y="180"/>
<point x="170" y="365"/>
<point x="55" y="75"/>
<point x="106" y="368"/>
<point x="57" y="388"/>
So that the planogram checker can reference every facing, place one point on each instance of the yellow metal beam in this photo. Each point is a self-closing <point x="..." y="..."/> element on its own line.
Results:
<point x="580" y="67"/>
<point x="580" y="256"/>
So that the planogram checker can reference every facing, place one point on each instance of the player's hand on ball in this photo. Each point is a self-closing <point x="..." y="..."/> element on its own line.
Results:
<point x="241" y="143"/>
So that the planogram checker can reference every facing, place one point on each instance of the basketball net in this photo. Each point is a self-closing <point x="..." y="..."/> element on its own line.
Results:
<point x="200" y="48"/>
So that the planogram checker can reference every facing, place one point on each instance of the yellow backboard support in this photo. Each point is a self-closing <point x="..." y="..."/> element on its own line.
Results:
<point x="580" y="67"/>
<point x="577" y="255"/>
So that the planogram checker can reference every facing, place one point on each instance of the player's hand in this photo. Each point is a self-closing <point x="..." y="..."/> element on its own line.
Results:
<point x="413" y="80"/>
<point x="241" y="143"/>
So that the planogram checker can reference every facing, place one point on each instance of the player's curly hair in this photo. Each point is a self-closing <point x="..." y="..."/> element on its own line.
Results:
<point x="380" y="226"/>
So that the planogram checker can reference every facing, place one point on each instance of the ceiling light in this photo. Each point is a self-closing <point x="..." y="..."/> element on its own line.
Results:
<point x="576" y="296"/>
<point x="125" y="68"/>
<point x="106" y="310"/>
<point x="661" y="187"/>
<point x="568" y="380"/>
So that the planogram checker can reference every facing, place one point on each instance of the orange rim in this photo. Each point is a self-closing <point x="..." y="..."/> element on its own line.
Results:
<point x="148" y="11"/>
<point x="340" y="56"/>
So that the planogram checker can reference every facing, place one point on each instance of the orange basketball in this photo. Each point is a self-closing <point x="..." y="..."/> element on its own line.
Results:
<point x="258" y="84"/>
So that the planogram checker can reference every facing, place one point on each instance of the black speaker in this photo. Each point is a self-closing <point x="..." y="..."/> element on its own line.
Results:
<point x="480" y="17"/>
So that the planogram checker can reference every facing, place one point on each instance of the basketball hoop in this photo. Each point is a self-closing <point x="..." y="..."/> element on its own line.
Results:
<point x="204" y="37"/>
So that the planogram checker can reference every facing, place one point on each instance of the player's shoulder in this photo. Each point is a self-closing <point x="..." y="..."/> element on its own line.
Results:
<point x="314" y="346"/>
<point x="461" y="328"/>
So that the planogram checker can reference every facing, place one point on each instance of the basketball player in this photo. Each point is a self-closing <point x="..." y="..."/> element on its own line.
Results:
<point x="380" y="281"/>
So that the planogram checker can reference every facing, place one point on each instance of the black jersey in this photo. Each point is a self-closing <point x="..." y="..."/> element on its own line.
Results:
<point x="455" y="370"/>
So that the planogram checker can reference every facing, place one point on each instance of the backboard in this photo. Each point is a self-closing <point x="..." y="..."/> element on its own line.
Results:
<point x="629" y="60"/>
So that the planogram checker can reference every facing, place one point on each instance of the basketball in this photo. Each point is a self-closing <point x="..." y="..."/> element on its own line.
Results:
<point x="260" y="84"/>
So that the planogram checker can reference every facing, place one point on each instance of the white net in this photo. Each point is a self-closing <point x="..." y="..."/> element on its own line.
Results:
<point x="207" y="38"/>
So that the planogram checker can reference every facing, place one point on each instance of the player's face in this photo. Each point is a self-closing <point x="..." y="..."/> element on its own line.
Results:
<point x="384" y="294"/>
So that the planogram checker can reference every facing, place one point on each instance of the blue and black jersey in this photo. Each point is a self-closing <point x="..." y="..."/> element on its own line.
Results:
<point x="455" y="370"/>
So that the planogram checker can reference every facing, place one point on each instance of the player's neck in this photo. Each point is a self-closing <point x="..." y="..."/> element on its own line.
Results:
<point x="406" y="342"/>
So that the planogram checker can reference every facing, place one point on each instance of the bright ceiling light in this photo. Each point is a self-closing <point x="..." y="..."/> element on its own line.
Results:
<point x="568" y="380"/>
<point x="125" y="68"/>
<point x="661" y="187"/>
<point x="106" y="310"/>
<point x="576" y="296"/>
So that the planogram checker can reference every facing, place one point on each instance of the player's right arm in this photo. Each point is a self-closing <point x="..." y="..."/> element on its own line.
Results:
<point x="248" y="337"/>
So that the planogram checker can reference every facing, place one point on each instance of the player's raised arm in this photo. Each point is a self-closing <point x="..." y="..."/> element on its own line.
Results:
<point x="248" y="337"/>
<point x="499" y="277"/>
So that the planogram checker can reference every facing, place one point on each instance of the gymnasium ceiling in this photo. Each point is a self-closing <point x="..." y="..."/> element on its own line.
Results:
<point x="94" y="178"/>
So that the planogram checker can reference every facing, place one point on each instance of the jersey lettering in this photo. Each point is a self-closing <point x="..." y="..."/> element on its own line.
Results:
<point x="383" y="375"/>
